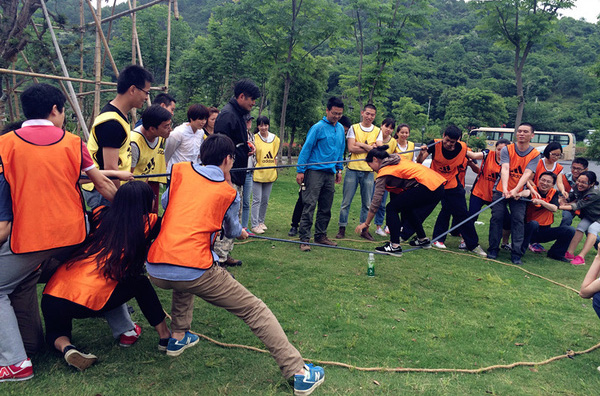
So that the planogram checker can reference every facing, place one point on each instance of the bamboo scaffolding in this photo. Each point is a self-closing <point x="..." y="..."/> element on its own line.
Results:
<point x="175" y="10"/>
<point x="133" y="33"/>
<point x="81" y="94"/>
<point x="109" y="32"/>
<point x="124" y="13"/>
<point x="74" y="102"/>
<point x="97" y="67"/>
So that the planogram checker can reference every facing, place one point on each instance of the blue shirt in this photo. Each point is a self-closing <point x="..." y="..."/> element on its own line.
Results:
<point x="231" y="227"/>
<point x="325" y="142"/>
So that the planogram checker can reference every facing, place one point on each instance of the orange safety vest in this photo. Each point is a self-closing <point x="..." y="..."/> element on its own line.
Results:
<point x="517" y="166"/>
<point x="83" y="283"/>
<point x="490" y="172"/>
<point x="411" y="170"/>
<point x="541" y="169"/>
<point x="197" y="206"/>
<point x="47" y="204"/>
<point x="540" y="214"/>
<point x="448" y="168"/>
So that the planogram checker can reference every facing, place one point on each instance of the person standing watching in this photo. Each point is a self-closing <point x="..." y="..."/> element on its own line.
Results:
<point x="324" y="143"/>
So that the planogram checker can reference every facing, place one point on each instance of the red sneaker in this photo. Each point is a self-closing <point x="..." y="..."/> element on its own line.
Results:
<point x="17" y="372"/>
<point x="129" y="340"/>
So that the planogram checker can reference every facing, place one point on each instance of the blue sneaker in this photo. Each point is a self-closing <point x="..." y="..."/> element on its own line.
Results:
<point x="175" y="347"/>
<point x="307" y="383"/>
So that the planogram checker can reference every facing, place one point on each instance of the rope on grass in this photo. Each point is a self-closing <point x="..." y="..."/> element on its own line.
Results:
<point x="569" y="354"/>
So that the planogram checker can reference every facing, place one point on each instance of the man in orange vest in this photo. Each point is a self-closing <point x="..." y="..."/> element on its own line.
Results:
<point x="540" y="216"/>
<point x="518" y="163"/>
<point x="42" y="164"/>
<point x="200" y="202"/>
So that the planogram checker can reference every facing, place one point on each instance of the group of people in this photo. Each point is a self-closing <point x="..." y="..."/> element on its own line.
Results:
<point x="523" y="188"/>
<point x="94" y="263"/>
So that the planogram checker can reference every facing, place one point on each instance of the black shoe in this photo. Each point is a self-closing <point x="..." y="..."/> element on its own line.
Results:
<point x="341" y="233"/>
<point x="293" y="231"/>
<point x="563" y="258"/>
<point x="492" y="254"/>
<point x="389" y="249"/>
<point x="425" y="243"/>
<point x="516" y="260"/>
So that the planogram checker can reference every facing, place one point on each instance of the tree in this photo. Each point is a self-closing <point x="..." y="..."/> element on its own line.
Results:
<point x="406" y="111"/>
<point x="381" y="31"/>
<point x="288" y="31"/>
<point x="475" y="108"/>
<point x="519" y="24"/>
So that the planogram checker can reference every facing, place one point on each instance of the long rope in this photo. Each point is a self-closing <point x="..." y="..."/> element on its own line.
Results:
<point x="275" y="166"/>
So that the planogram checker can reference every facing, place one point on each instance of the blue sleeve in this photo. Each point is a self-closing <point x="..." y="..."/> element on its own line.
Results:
<point x="307" y="147"/>
<point x="340" y="165"/>
<point x="6" y="213"/>
<point x="231" y="222"/>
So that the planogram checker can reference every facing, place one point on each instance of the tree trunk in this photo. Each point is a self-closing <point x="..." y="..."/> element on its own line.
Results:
<point x="520" y="97"/>
<point x="286" y="93"/>
<point x="292" y="136"/>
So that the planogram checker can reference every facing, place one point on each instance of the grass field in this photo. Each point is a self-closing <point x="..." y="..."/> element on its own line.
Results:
<point x="428" y="309"/>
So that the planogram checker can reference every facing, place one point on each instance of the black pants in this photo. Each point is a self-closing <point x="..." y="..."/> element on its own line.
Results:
<point x="454" y="204"/>
<point x="297" y="211"/>
<point x="414" y="205"/>
<point x="59" y="313"/>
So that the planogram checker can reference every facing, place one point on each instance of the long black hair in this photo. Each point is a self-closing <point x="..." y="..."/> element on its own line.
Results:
<point x="378" y="152"/>
<point x="119" y="238"/>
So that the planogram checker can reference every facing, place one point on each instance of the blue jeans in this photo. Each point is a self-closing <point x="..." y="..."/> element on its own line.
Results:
<point x="380" y="215"/>
<point x="351" y="182"/>
<point x="247" y="190"/>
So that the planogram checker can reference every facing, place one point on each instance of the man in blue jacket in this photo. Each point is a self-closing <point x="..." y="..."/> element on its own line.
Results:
<point x="324" y="143"/>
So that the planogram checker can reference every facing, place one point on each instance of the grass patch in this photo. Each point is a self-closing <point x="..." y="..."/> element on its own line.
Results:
<point x="428" y="309"/>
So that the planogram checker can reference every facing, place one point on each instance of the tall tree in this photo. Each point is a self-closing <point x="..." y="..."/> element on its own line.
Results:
<point x="381" y="31"/>
<point x="289" y="31"/>
<point x="521" y="24"/>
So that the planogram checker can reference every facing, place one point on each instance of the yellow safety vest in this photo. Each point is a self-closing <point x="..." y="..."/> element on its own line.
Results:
<point x="151" y="159"/>
<point x="124" y="150"/>
<point x="363" y="137"/>
<point x="265" y="156"/>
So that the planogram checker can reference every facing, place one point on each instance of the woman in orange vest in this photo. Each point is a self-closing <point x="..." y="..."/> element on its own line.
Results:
<point x="105" y="272"/>
<point x="549" y="163"/>
<point x="411" y="186"/>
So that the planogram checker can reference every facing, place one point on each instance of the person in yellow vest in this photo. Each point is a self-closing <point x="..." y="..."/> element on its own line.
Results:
<point x="106" y="272"/>
<point x="361" y="138"/>
<point x="147" y="142"/>
<point x="402" y="135"/>
<point x="540" y="216"/>
<point x="267" y="147"/>
<point x="199" y="203"/>
<point x="109" y="142"/>
<point x="412" y="187"/>
<point x="387" y="129"/>
<point x="41" y="165"/>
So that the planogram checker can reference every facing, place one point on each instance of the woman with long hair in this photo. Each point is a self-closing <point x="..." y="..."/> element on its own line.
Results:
<point x="586" y="200"/>
<point x="105" y="272"/>
<point x="413" y="189"/>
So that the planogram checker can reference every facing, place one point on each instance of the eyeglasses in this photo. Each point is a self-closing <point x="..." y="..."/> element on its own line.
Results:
<point x="583" y="183"/>
<point x="144" y="91"/>
<point x="576" y="168"/>
<point x="558" y="155"/>
<point x="337" y="114"/>
<point x="232" y="156"/>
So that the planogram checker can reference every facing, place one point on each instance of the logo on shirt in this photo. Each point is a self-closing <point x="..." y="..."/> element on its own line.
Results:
<point x="516" y="172"/>
<point x="444" y="169"/>
<point x="268" y="158"/>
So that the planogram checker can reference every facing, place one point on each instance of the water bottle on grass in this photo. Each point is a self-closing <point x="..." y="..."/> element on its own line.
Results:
<point x="371" y="265"/>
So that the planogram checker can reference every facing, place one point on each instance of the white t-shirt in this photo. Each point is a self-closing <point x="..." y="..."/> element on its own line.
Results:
<point x="183" y="145"/>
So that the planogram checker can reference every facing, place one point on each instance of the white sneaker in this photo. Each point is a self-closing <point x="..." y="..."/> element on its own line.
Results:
<point x="387" y="230"/>
<point x="380" y="232"/>
<point x="439" y="245"/>
<point x="263" y="226"/>
<point x="479" y="251"/>
<point x="258" y="230"/>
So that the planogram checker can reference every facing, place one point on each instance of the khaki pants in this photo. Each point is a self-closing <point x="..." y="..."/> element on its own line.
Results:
<point x="219" y="288"/>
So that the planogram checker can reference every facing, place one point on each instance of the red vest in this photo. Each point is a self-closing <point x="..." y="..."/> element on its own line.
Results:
<point x="448" y="168"/>
<point x="196" y="209"/>
<point x="47" y="204"/>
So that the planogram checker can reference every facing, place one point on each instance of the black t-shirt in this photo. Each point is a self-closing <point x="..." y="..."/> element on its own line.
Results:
<point x="109" y="134"/>
<point x="446" y="153"/>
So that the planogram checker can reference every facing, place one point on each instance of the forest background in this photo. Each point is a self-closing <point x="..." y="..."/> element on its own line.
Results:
<point x="425" y="63"/>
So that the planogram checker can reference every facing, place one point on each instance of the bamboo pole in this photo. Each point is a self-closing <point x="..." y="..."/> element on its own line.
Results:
<point x="52" y="77"/>
<point x="102" y="37"/>
<point x="168" y="62"/>
<point x="133" y="33"/>
<point x="81" y="35"/>
<point x="74" y="102"/>
<point x="124" y="13"/>
<point x="97" y="64"/>
<point x="93" y="92"/>
<point x="109" y="32"/>
<point x="175" y="10"/>
<point x="14" y="95"/>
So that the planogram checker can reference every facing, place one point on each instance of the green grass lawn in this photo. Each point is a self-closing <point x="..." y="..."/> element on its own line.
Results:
<point x="427" y="309"/>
